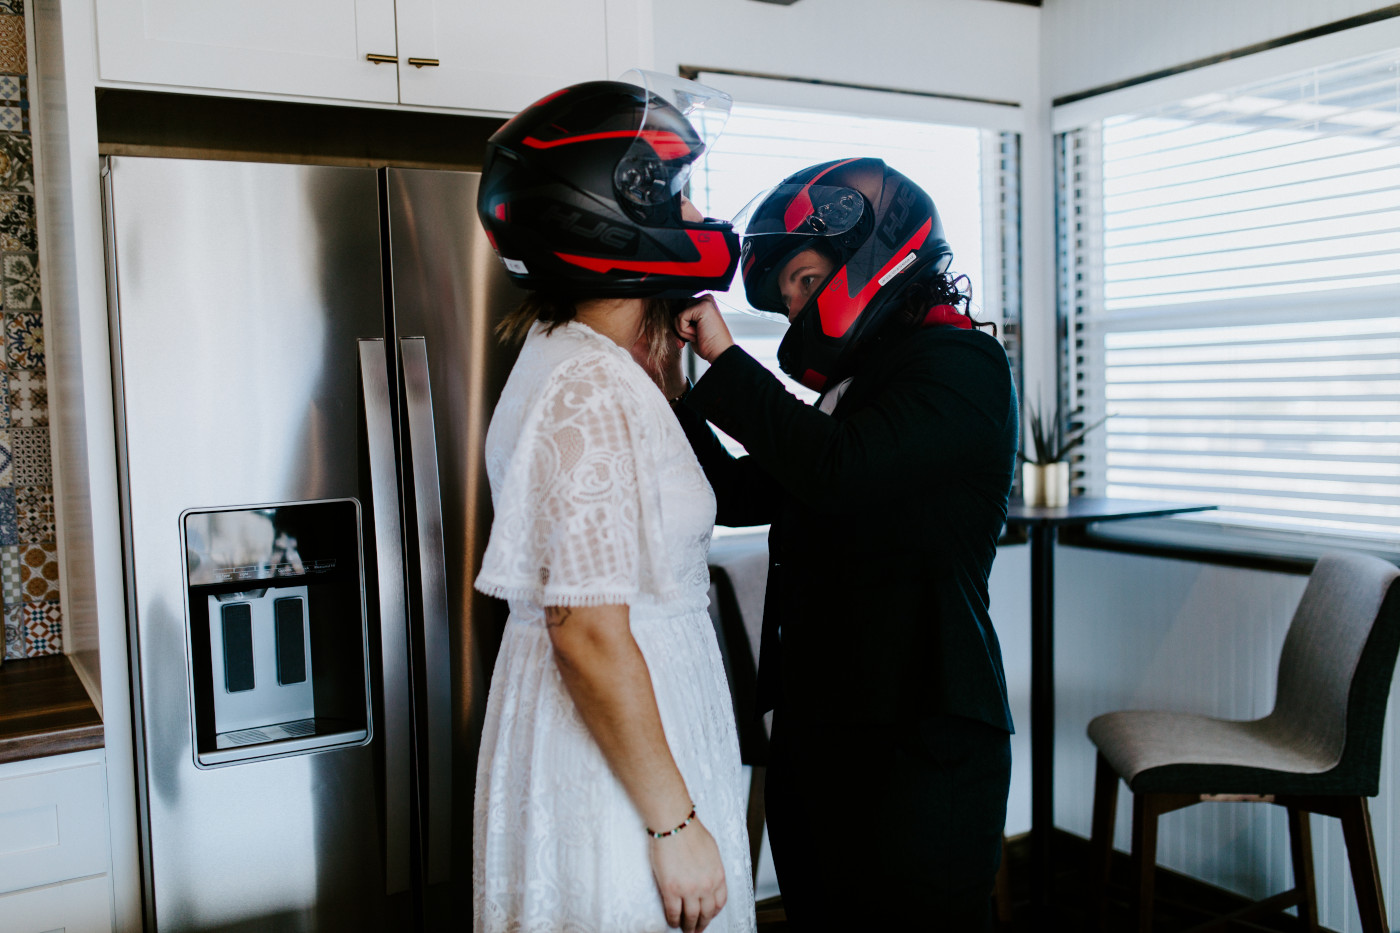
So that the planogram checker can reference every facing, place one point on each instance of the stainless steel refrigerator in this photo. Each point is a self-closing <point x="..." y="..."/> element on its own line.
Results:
<point x="305" y="367"/>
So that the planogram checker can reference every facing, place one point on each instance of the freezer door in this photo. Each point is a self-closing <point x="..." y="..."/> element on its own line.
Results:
<point x="240" y="294"/>
<point x="449" y="290"/>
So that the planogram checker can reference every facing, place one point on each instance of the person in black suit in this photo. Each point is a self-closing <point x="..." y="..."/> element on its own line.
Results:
<point x="890" y="760"/>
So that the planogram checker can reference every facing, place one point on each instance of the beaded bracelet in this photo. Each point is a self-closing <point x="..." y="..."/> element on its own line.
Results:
<point x="671" y="832"/>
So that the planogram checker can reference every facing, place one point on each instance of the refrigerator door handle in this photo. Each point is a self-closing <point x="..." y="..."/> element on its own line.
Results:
<point x="427" y="499"/>
<point x="393" y="614"/>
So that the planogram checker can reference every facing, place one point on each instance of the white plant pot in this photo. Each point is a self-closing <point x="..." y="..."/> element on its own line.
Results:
<point x="1045" y="484"/>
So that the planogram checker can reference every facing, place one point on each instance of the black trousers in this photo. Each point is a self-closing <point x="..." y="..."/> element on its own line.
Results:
<point x="887" y="826"/>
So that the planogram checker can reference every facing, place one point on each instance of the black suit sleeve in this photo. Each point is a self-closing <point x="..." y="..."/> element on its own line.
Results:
<point x="745" y="494"/>
<point x="938" y="402"/>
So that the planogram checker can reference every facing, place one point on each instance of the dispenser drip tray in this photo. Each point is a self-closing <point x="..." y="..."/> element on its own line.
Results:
<point x="282" y="730"/>
<point x="297" y="736"/>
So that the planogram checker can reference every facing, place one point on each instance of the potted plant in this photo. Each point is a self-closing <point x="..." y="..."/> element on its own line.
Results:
<point x="1045" y="473"/>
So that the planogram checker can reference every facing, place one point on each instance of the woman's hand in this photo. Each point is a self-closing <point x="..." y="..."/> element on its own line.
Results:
<point x="702" y="326"/>
<point x="690" y="877"/>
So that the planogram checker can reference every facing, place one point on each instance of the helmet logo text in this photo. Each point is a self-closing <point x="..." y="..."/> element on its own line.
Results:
<point x="590" y="227"/>
<point x="896" y="217"/>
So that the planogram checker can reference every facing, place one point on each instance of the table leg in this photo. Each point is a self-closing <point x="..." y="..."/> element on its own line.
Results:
<point x="1042" y="711"/>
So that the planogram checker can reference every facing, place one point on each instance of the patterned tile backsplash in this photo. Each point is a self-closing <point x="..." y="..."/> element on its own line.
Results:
<point x="29" y="567"/>
<point x="13" y="53"/>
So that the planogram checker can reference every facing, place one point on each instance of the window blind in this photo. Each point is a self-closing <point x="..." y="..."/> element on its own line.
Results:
<point x="1230" y="292"/>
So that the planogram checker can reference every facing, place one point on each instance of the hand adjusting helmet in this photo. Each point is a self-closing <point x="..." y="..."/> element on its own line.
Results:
<point x="581" y="191"/>
<point x="882" y="233"/>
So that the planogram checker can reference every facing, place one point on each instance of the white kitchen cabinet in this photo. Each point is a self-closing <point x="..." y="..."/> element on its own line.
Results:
<point x="75" y="907"/>
<point x="310" y="48"/>
<point x="54" y="851"/>
<point x="498" y="56"/>
<point x="478" y="55"/>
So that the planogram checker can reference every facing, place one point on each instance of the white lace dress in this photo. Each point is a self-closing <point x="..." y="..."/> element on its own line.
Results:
<point x="598" y="500"/>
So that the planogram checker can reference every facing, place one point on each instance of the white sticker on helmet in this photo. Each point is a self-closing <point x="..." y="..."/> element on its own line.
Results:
<point x="518" y="267"/>
<point x="900" y="267"/>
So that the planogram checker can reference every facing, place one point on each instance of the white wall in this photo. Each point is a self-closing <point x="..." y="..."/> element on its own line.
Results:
<point x="1090" y="43"/>
<point x="968" y="47"/>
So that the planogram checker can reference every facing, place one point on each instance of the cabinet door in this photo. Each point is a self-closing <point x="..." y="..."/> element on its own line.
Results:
<point x="496" y="56"/>
<point x="77" y="907"/>
<point x="310" y="48"/>
<point x="53" y="822"/>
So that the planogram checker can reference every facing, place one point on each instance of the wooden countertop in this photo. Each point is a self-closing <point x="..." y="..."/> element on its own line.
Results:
<point x="44" y="710"/>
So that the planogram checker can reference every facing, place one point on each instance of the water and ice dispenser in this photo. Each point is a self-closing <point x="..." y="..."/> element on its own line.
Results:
<point x="278" y="629"/>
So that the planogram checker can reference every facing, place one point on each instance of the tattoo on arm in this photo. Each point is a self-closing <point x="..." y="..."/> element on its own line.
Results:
<point x="555" y="616"/>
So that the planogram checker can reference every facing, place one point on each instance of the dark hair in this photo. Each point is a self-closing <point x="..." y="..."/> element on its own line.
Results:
<point x="939" y="288"/>
<point x="554" y="308"/>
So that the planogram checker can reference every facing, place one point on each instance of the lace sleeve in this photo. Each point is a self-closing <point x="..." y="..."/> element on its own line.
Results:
<point x="577" y="521"/>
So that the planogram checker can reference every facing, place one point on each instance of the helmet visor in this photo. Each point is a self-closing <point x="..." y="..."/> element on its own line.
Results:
<point x="801" y="210"/>
<point x="680" y="122"/>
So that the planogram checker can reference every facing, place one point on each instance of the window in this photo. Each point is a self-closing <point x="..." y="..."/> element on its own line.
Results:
<point x="972" y="175"/>
<point x="1230" y="286"/>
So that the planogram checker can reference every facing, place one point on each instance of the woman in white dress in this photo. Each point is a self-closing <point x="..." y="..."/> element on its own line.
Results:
<point x="609" y="797"/>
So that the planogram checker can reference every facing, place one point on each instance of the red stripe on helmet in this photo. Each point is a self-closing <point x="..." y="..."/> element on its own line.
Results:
<point x="500" y="210"/>
<point x="546" y="98"/>
<point x="813" y="380"/>
<point x="798" y="210"/>
<point x="837" y="308"/>
<point x="668" y="145"/>
<point x="800" y="207"/>
<point x="714" y="259"/>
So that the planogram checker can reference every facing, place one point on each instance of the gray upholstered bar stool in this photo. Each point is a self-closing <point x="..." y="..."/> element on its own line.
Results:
<point x="1319" y="750"/>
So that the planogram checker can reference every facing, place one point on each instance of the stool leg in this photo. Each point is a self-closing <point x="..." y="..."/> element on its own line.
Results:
<point x="756" y="816"/>
<point x="1144" y="860"/>
<point x="1365" y="873"/>
<point x="1300" y="845"/>
<point x="1101" y="840"/>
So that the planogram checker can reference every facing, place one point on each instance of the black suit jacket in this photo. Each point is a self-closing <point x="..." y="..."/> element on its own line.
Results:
<point x="885" y="517"/>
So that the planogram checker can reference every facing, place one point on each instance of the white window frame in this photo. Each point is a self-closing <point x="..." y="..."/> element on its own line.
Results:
<point x="1077" y="285"/>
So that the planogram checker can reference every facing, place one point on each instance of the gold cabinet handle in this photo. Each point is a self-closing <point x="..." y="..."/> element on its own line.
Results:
<point x="381" y="59"/>
<point x="420" y="62"/>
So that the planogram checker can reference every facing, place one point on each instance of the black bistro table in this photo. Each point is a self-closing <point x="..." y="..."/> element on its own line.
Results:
<point x="1043" y="525"/>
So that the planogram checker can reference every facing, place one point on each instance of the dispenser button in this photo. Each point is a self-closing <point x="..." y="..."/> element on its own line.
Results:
<point x="238" y="646"/>
<point x="291" y="640"/>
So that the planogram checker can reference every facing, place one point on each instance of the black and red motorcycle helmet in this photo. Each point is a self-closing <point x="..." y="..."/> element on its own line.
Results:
<point x="882" y="233"/>
<point x="581" y="191"/>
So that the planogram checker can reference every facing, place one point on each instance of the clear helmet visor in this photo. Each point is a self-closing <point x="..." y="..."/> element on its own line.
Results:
<point x="801" y="210"/>
<point x="680" y="122"/>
